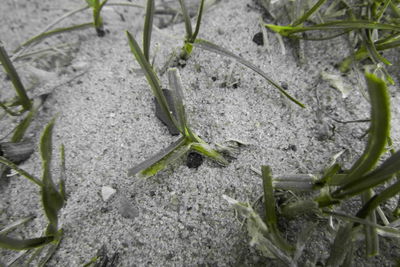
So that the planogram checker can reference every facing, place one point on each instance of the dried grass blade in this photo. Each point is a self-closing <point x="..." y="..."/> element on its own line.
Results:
<point x="307" y="14"/>
<point x="15" y="224"/>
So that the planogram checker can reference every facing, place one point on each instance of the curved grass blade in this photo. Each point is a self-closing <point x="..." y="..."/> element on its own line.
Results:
<point x="153" y="165"/>
<point x="186" y="18"/>
<point x="206" y="45"/>
<point x="41" y="36"/>
<point x="10" y="111"/>
<point x="148" y="25"/>
<point x="20" y="171"/>
<point x="22" y="244"/>
<point x="53" y="201"/>
<point x="151" y="78"/>
<point x="379" y="132"/>
<point x="198" y="22"/>
<point x="14" y="77"/>
<point x="270" y="215"/>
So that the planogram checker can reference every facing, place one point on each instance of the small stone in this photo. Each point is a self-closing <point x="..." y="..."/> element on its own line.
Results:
<point x="258" y="38"/>
<point x="194" y="160"/>
<point x="107" y="192"/>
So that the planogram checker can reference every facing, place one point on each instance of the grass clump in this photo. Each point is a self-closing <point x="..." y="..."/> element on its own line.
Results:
<point x="53" y="198"/>
<point x="332" y="188"/>
<point x="372" y="27"/>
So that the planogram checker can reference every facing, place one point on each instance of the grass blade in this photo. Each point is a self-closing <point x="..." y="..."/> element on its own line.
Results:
<point x="340" y="246"/>
<point x="41" y="36"/>
<point x="14" y="77"/>
<point x="379" y="132"/>
<point x="308" y="13"/>
<point x="270" y="215"/>
<point x="206" y="150"/>
<point x="186" y="18"/>
<point x="152" y="166"/>
<point x="371" y="235"/>
<point x="148" y="26"/>
<point x="21" y="244"/>
<point x="198" y="22"/>
<point x="151" y="78"/>
<point x="206" y="45"/>
<point x="20" y="171"/>
<point x="51" y="198"/>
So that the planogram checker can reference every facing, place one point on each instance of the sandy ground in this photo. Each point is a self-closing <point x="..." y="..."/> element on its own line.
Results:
<point x="106" y="122"/>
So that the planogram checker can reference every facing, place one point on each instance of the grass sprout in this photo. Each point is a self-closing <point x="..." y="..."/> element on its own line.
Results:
<point x="96" y="5"/>
<point x="189" y="139"/>
<point x="191" y="35"/>
<point x="52" y="200"/>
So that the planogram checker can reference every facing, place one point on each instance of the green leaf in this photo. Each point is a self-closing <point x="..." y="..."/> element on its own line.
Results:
<point x="198" y="22"/>
<point x="206" y="150"/>
<point x="20" y="171"/>
<point x="14" y="77"/>
<point x="206" y="45"/>
<point x="151" y="78"/>
<point x="270" y="214"/>
<point x="148" y="25"/>
<point x="159" y="161"/>
<point x="371" y="235"/>
<point x="308" y="14"/>
<point x="52" y="200"/>
<point x="22" y="244"/>
<point x="186" y="18"/>
<point x="20" y="130"/>
<point x="340" y="246"/>
<point x="379" y="132"/>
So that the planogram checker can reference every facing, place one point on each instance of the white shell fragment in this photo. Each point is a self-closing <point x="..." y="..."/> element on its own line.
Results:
<point x="107" y="192"/>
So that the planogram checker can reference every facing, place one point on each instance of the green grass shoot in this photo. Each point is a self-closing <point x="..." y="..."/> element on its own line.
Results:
<point x="14" y="77"/>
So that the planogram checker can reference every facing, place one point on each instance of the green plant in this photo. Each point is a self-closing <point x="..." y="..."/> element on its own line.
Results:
<point x="373" y="26"/>
<point x="332" y="189"/>
<point x="52" y="200"/>
<point x="96" y="5"/>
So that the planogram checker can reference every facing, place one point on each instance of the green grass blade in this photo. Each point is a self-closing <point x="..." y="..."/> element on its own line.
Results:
<point x="51" y="250"/>
<point x="51" y="198"/>
<point x="62" y="174"/>
<point x="175" y="83"/>
<point x="270" y="215"/>
<point x="340" y="246"/>
<point x="20" y="130"/>
<point x="371" y="235"/>
<point x="379" y="132"/>
<point x="206" y="45"/>
<point x="22" y="244"/>
<point x="186" y="18"/>
<point x="20" y="171"/>
<point x="15" y="224"/>
<point x="152" y="165"/>
<point x="334" y="25"/>
<point x="151" y="78"/>
<point x="14" y="77"/>
<point x="10" y="111"/>
<point x="198" y="22"/>
<point x="44" y="35"/>
<point x="148" y="26"/>
<point x="307" y="14"/>
<point x="378" y="199"/>
<point x="206" y="150"/>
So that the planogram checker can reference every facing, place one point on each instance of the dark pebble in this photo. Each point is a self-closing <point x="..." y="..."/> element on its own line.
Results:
<point x="258" y="39"/>
<point x="194" y="160"/>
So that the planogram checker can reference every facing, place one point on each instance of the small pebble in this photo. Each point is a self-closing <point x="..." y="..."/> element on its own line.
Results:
<point x="258" y="38"/>
<point x="107" y="192"/>
<point x="194" y="160"/>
